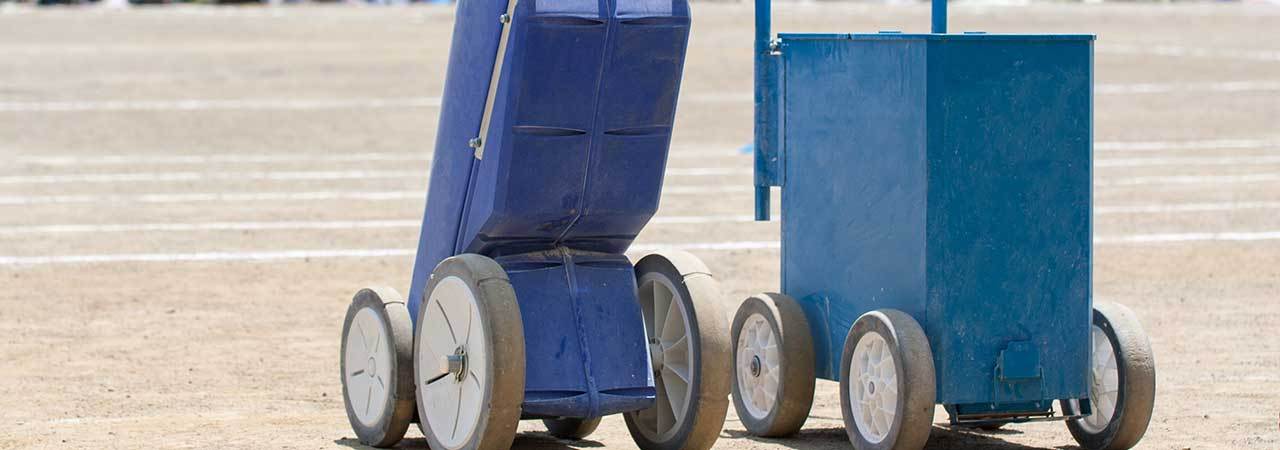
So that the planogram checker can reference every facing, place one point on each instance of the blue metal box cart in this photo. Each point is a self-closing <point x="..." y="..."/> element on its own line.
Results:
<point x="936" y="239"/>
<point x="552" y="143"/>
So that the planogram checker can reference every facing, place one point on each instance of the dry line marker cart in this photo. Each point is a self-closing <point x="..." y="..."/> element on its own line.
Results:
<point x="553" y="138"/>
<point x="936" y="240"/>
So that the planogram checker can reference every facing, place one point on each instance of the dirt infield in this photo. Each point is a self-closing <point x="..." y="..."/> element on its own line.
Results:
<point x="190" y="196"/>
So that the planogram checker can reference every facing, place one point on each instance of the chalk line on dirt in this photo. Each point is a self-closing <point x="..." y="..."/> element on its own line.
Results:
<point x="1253" y="160"/>
<point x="677" y="152"/>
<point x="1189" y="237"/>
<point x="217" y="105"/>
<point x="1189" y="179"/>
<point x="295" y="104"/>
<point x="1193" y="52"/>
<point x="292" y="225"/>
<point x="241" y="256"/>
<point x="1196" y="144"/>
<point x="71" y="228"/>
<point x="1166" y="88"/>
<point x="375" y="174"/>
<point x="134" y="159"/>
<point x="178" y="197"/>
<point x="289" y="175"/>
<point x="202" y="197"/>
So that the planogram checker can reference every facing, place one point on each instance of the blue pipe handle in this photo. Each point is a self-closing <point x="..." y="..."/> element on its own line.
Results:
<point x="766" y="107"/>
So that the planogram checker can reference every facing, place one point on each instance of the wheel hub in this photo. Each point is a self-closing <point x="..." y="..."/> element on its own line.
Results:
<point x="755" y="366"/>
<point x="655" y="354"/>
<point x="456" y="364"/>
<point x="372" y="367"/>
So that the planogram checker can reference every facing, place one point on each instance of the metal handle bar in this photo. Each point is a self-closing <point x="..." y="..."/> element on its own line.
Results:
<point x="764" y="14"/>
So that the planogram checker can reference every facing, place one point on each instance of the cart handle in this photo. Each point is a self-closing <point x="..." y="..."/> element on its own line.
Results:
<point x="764" y="14"/>
<point x="767" y="147"/>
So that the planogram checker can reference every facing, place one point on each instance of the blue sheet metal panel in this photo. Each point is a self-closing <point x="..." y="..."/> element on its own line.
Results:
<point x="1009" y="225"/>
<point x="585" y="352"/>
<point x="950" y="179"/>
<point x="471" y="56"/>
<point x="853" y="205"/>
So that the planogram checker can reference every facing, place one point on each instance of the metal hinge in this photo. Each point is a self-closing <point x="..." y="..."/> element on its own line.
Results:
<point x="775" y="47"/>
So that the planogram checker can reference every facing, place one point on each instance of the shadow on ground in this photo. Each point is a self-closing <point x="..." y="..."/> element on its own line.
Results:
<point x="807" y="439"/>
<point x="524" y="441"/>
<point x="939" y="438"/>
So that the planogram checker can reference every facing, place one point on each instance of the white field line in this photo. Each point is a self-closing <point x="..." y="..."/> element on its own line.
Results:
<point x="201" y="197"/>
<point x="638" y="248"/>
<point x="136" y="177"/>
<point x="252" y="104"/>
<point x="1260" y="160"/>
<point x="676" y="153"/>
<point x="1204" y="144"/>
<point x="1189" y="237"/>
<point x="261" y="158"/>
<point x="396" y="195"/>
<point x="1172" y="208"/>
<point x="193" y="47"/>
<point x="217" y="105"/>
<point x="211" y="197"/>
<point x="291" y="225"/>
<point x="188" y="176"/>
<point x="262" y="104"/>
<point x="209" y="226"/>
<point x="1193" y="52"/>
<point x="236" y="158"/>
<point x="1166" y="88"/>
<point x="317" y="254"/>
<point x="1189" y="179"/>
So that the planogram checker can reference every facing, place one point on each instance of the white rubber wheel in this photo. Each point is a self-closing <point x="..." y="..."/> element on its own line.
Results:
<point x="469" y="357"/>
<point x="1122" y="382"/>
<point x="571" y="428"/>
<point x="773" y="363"/>
<point x="377" y="366"/>
<point x="689" y="349"/>
<point x="887" y="382"/>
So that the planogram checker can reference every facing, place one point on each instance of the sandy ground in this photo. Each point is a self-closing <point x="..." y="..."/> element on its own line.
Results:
<point x="219" y="128"/>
